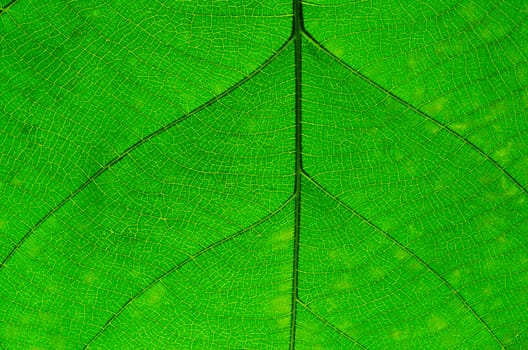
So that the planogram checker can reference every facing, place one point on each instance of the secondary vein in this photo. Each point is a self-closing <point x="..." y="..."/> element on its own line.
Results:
<point x="133" y="147"/>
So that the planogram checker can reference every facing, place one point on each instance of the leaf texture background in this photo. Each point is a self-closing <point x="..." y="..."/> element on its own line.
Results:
<point x="263" y="174"/>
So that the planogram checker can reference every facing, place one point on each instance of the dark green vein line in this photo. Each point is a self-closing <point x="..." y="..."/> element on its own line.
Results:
<point x="7" y="7"/>
<point x="297" y="29"/>
<point x="408" y="251"/>
<point x="136" y="145"/>
<point x="183" y="263"/>
<point x="330" y="325"/>
<point x="417" y="111"/>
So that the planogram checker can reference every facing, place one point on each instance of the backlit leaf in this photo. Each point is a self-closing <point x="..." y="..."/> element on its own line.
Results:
<point x="270" y="174"/>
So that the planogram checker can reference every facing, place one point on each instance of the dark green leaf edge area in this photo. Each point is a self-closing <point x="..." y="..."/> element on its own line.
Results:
<point x="299" y="35"/>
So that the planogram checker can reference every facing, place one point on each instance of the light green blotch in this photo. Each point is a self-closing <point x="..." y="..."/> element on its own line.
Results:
<point x="410" y="167"/>
<point x="498" y="303"/>
<point x="248" y="66"/>
<point x="436" y="323"/>
<point x="10" y="331"/>
<point x="493" y="32"/>
<point x="348" y="326"/>
<point x="508" y="187"/>
<point x="333" y="254"/>
<point x="448" y="342"/>
<point x="400" y="254"/>
<point x="487" y="178"/>
<point x="521" y="199"/>
<point x="414" y="233"/>
<point x="516" y="333"/>
<point x="156" y="295"/>
<point x="412" y="62"/>
<point x="523" y="262"/>
<point x="284" y="287"/>
<point x="52" y="321"/>
<point x="452" y="47"/>
<point x="503" y="154"/>
<point x="431" y="128"/>
<point x="439" y="184"/>
<point x="419" y="92"/>
<point x="16" y="182"/>
<point x="468" y="10"/>
<point x="51" y="288"/>
<point x="132" y="61"/>
<point x="188" y="101"/>
<point x="331" y="305"/>
<point x="414" y="265"/>
<point x="377" y="272"/>
<point x="138" y="102"/>
<point x="442" y="48"/>
<point x="493" y="195"/>
<point x="135" y="273"/>
<point x="57" y="342"/>
<point x="447" y="49"/>
<point x="281" y="304"/>
<point x="437" y="105"/>
<point x="487" y="291"/>
<point x="388" y="222"/>
<point x="336" y="255"/>
<point x="454" y="277"/>
<point x="33" y="247"/>
<point x="311" y="330"/>
<point x="342" y="284"/>
<point x="3" y="224"/>
<point x="337" y="49"/>
<point x="282" y="239"/>
<point x="399" y="334"/>
<point x="521" y="73"/>
<point x="496" y="109"/>
<point x="90" y="277"/>
<point x="18" y="330"/>
<point x="399" y="155"/>
<point x="524" y="98"/>
<point x="457" y="47"/>
<point x="94" y="13"/>
<point x="219" y="88"/>
<point x="47" y="318"/>
<point x="460" y="127"/>
<point x="491" y="221"/>
<point x="284" y="322"/>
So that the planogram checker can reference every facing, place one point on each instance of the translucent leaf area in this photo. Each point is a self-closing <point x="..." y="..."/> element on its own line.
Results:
<point x="273" y="174"/>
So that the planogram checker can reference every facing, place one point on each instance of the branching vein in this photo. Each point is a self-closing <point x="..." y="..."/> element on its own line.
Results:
<point x="135" y="146"/>
<point x="428" y="267"/>
<point x="180" y="265"/>
<point x="416" y="110"/>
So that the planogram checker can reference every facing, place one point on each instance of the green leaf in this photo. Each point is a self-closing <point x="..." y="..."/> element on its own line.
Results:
<point x="263" y="174"/>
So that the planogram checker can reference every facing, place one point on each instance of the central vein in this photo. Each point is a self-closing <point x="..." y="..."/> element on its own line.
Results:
<point x="297" y="36"/>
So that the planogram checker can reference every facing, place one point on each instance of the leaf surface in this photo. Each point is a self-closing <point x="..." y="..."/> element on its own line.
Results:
<point x="263" y="174"/>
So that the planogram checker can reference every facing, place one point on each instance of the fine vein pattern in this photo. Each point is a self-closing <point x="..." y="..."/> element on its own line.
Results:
<point x="280" y="174"/>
